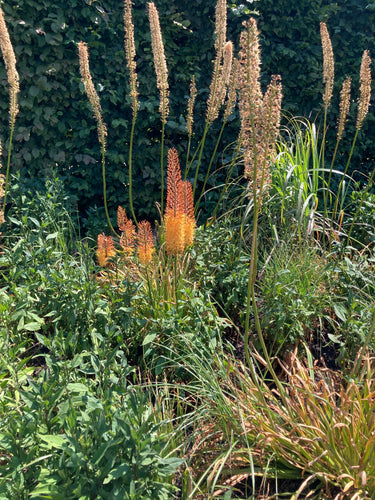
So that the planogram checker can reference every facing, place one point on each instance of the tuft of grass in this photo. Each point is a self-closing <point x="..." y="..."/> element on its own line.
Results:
<point x="320" y="430"/>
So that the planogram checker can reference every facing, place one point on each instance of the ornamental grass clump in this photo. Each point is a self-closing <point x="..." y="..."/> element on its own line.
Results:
<point x="320" y="431"/>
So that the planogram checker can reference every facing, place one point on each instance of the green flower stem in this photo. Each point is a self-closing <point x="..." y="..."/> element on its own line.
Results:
<point x="130" y="161"/>
<point x="8" y="163"/>
<point x="210" y="165"/>
<point x="162" y="169"/>
<point x="105" y="189"/>
<point x="199" y="160"/>
<point x="344" y="174"/>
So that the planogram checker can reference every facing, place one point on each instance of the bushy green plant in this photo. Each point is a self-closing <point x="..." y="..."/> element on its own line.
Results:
<point x="362" y="208"/>
<point x="221" y="265"/>
<point x="65" y="434"/>
<point x="354" y="304"/>
<point x="295" y="295"/>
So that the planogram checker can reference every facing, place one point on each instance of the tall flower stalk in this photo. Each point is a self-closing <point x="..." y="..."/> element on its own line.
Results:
<point x="227" y="82"/>
<point x="260" y="123"/>
<point x="363" y="107"/>
<point x="328" y="81"/>
<point x="2" y="180"/>
<point x="161" y="80"/>
<point x="130" y="61"/>
<point x="14" y="88"/>
<point x="220" y="78"/>
<point x="344" y="110"/>
<point x="190" y="117"/>
<point x="93" y="97"/>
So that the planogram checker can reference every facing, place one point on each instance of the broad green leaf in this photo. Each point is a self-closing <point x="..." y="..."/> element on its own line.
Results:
<point x="116" y="473"/>
<point x="53" y="440"/>
<point x="149" y="338"/>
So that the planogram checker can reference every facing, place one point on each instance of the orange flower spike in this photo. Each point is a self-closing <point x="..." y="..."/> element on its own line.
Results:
<point x="105" y="250"/>
<point x="145" y="242"/>
<point x="122" y="219"/>
<point x="174" y="217"/>
<point x="173" y="183"/>
<point x="127" y="229"/>
<point x="188" y="206"/>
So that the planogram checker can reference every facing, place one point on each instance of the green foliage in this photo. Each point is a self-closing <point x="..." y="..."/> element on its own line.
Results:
<point x="68" y="435"/>
<point x="364" y="222"/>
<point x="221" y="265"/>
<point x="354" y="304"/>
<point x="71" y="423"/>
<point x="295" y="296"/>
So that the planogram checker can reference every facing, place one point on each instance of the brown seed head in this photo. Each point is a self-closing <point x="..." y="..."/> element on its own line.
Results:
<point x="219" y="84"/>
<point x="10" y="64"/>
<point x="249" y="74"/>
<point x="159" y="60"/>
<point x="232" y="93"/>
<point x="328" y="64"/>
<point x="190" y="108"/>
<point x="344" y="106"/>
<point x="364" y="89"/>
<point x="270" y="129"/>
<point x="90" y="90"/>
<point x="130" y="55"/>
<point x="251" y="99"/>
<point x="220" y="25"/>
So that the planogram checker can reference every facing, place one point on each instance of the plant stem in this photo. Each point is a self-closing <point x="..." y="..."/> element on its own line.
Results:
<point x="105" y="190"/>
<point x="130" y="161"/>
<point x="8" y="163"/>
<point x="210" y="165"/>
<point x="162" y="167"/>
<point x="200" y="159"/>
<point x="344" y="174"/>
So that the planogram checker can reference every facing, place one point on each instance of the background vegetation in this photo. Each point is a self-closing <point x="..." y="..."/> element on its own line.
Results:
<point x="231" y="358"/>
<point x="55" y="130"/>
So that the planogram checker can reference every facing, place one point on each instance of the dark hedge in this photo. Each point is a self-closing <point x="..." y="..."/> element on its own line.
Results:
<point x="55" y="128"/>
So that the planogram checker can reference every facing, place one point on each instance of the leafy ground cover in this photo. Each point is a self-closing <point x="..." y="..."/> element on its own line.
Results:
<point x="232" y="358"/>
